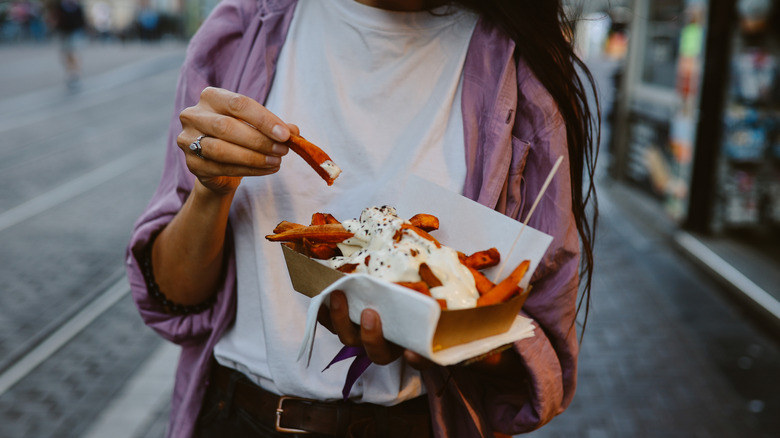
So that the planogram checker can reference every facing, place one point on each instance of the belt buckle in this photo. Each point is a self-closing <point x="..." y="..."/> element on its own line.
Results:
<point x="280" y="411"/>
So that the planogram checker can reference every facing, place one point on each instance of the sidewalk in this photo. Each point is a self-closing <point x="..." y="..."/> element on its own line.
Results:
<point x="749" y="273"/>
<point x="747" y="266"/>
<point x="664" y="353"/>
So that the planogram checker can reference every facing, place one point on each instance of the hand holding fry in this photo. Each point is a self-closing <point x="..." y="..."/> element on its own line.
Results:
<point x="241" y="138"/>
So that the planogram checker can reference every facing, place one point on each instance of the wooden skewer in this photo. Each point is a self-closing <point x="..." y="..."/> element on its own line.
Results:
<point x="528" y="216"/>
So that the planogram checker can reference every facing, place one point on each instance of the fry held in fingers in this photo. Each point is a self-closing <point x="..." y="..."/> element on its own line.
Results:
<point x="315" y="157"/>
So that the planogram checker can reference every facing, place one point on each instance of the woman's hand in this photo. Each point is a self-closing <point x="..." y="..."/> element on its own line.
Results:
<point x="242" y="139"/>
<point x="367" y="335"/>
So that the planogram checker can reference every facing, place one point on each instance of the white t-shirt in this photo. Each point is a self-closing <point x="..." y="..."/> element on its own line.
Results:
<point x="384" y="103"/>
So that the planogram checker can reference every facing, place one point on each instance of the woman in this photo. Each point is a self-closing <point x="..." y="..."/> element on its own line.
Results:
<point x="388" y="88"/>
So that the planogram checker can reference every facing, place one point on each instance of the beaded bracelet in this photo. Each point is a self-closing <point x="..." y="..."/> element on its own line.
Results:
<point x="154" y="290"/>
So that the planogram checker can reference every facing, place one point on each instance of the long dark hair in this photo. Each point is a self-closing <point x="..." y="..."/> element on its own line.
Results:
<point x="544" y="40"/>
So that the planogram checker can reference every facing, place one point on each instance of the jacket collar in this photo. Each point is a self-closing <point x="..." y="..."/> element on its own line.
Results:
<point x="488" y="105"/>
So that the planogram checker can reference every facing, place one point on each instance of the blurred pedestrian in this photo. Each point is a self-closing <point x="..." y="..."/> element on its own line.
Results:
<point x="148" y="21"/>
<point x="37" y="25"/>
<point x="69" y="23"/>
<point x="102" y="19"/>
<point x="19" y="14"/>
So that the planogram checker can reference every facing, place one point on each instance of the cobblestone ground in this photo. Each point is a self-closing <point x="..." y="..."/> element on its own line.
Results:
<point x="64" y="395"/>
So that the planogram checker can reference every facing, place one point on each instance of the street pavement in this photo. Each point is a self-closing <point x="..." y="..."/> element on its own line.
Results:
<point x="78" y="166"/>
<point x="665" y="352"/>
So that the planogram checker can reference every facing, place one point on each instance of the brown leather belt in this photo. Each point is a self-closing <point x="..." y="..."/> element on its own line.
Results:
<point x="299" y="415"/>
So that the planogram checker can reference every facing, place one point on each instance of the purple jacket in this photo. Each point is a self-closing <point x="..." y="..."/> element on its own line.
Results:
<point x="513" y="135"/>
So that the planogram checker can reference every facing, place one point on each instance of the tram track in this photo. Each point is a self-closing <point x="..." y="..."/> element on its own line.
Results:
<point x="47" y="340"/>
<point x="59" y="332"/>
<point x="73" y="188"/>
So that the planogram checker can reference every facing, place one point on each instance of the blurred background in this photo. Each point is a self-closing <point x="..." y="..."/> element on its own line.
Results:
<point x="683" y="330"/>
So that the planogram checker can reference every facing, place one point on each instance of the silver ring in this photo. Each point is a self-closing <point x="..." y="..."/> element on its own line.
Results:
<point x="196" y="147"/>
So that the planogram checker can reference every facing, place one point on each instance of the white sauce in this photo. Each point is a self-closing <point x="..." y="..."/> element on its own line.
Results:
<point x="400" y="261"/>
<point x="333" y="170"/>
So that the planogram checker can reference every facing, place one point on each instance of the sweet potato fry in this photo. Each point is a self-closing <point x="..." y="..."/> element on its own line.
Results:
<point x="332" y="233"/>
<point x="483" y="259"/>
<point x="295" y="246"/>
<point x="428" y="276"/>
<point x="422" y="233"/>
<point x="483" y="283"/>
<point x="322" y="251"/>
<point x="424" y="221"/>
<point x="315" y="157"/>
<point x="419" y="286"/>
<point x="323" y="218"/>
<point x="285" y="226"/>
<point x="347" y="268"/>
<point x="330" y="219"/>
<point x="506" y="288"/>
<point x="318" y="219"/>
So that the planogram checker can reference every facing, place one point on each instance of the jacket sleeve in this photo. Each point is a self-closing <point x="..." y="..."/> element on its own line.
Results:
<point x="210" y="47"/>
<point x="543" y="388"/>
<point x="550" y="356"/>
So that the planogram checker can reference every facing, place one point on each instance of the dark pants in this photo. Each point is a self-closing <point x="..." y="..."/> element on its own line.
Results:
<point x="220" y="417"/>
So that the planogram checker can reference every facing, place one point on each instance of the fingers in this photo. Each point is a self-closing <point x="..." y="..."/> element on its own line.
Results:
<point x="247" y="109"/>
<point x="379" y="350"/>
<point x="323" y="317"/>
<point x="348" y="333"/>
<point x="226" y="158"/>
<point x="242" y="138"/>
<point x="368" y="335"/>
<point x="201" y="119"/>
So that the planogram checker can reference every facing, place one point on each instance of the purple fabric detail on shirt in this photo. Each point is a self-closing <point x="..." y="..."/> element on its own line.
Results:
<point x="358" y="367"/>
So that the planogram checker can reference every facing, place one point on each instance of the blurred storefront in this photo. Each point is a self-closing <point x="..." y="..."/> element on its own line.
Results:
<point x="697" y="125"/>
<point x="660" y="100"/>
<point x="150" y="20"/>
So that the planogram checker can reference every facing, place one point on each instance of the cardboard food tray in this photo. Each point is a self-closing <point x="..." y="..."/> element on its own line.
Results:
<point x="416" y="321"/>
<point x="453" y="327"/>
